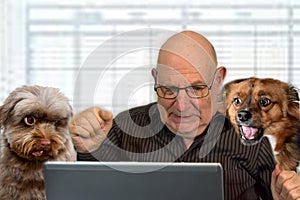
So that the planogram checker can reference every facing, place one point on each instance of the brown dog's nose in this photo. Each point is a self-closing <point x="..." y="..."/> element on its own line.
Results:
<point x="45" y="142"/>
<point x="244" y="115"/>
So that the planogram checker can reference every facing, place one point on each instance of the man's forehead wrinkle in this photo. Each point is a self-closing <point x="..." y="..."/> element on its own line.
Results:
<point x="168" y="70"/>
<point x="168" y="75"/>
<point x="170" y="64"/>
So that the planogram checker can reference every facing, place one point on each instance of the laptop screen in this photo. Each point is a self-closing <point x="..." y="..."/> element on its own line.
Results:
<point x="133" y="181"/>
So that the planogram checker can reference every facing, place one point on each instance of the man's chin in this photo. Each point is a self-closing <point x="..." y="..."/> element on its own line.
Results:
<point x="184" y="129"/>
<point x="191" y="125"/>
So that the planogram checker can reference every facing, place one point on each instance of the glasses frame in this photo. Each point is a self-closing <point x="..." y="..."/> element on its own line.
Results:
<point x="177" y="89"/>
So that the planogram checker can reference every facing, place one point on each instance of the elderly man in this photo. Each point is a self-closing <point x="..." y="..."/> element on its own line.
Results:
<point x="184" y="125"/>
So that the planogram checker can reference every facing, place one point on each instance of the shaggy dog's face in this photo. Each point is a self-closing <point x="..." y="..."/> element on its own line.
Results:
<point x="35" y="121"/>
<point x="259" y="106"/>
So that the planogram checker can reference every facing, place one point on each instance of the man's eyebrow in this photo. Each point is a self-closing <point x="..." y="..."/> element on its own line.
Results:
<point x="198" y="83"/>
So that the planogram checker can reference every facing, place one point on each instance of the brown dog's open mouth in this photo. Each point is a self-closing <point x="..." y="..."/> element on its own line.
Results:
<point x="250" y="135"/>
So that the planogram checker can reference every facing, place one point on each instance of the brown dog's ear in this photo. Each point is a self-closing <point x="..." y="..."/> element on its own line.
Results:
<point x="227" y="86"/>
<point x="293" y="101"/>
<point x="226" y="91"/>
<point x="222" y="98"/>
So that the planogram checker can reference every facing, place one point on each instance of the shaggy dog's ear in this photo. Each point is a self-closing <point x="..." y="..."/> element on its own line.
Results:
<point x="7" y="108"/>
<point x="293" y="102"/>
<point x="1" y="117"/>
<point x="5" y="111"/>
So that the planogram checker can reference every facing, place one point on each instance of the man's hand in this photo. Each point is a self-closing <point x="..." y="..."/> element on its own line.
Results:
<point x="285" y="185"/>
<point x="89" y="128"/>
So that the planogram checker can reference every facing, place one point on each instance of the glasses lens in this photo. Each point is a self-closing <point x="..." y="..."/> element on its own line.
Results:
<point x="167" y="92"/>
<point x="197" y="91"/>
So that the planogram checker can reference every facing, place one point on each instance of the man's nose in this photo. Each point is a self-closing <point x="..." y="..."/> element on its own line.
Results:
<point x="182" y="101"/>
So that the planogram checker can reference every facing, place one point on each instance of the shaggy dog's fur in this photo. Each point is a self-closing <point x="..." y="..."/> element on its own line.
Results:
<point x="34" y="122"/>
<point x="258" y="107"/>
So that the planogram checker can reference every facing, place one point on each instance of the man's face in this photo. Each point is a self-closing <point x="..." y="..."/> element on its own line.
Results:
<point x="184" y="115"/>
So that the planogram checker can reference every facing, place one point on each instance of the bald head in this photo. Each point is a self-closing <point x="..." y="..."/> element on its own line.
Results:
<point x="194" y="49"/>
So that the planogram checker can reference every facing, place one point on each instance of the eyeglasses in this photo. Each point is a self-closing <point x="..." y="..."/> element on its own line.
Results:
<point x="194" y="91"/>
<point x="171" y="92"/>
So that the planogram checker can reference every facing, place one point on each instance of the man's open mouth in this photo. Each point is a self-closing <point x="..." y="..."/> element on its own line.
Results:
<point x="250" y="135"/>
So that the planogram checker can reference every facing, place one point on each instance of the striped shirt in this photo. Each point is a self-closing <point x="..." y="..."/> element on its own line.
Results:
<point x="139" y="135"/>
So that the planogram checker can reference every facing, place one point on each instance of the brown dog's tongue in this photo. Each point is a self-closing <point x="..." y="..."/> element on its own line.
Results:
<point x="249" y="132"/>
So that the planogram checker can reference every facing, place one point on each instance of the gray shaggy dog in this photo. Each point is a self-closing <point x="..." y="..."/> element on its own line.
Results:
<point x="34" y="122"/>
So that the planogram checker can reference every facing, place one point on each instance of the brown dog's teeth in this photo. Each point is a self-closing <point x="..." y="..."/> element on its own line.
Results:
<point x="249" y="132"/>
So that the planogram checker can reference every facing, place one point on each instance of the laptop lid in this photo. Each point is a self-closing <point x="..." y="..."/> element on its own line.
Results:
<point x="133" y="181"/>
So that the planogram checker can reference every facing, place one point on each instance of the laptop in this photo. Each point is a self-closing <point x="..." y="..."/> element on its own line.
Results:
<point x="133" y="181"/>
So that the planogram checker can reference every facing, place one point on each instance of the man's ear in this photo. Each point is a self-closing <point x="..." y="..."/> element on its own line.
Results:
<point x="219" y="78"/>
<point x="154" y="74"/>
<point x="221" y="74"/>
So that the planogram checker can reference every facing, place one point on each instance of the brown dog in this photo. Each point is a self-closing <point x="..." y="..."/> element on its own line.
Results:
<point x="34" y="122"/>
<point x="258" y="107"/>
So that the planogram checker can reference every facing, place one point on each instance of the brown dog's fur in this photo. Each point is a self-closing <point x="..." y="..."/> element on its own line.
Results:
<point x="34" y="122"/>
<point x="258" y="107"/>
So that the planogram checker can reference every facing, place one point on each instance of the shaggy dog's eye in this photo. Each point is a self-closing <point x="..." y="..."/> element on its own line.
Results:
<point x="237" y="101"/>
<point x="264" y="102"/>
<point x="57" y="123"/>
<point x="29" y="120"/>
<point x="61" y="122"/>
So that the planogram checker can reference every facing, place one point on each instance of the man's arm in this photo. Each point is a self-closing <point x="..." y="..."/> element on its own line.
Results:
<point x="285" y="185"/>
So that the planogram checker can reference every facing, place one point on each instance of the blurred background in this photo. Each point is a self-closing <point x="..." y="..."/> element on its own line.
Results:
<point x="101" y="52"/>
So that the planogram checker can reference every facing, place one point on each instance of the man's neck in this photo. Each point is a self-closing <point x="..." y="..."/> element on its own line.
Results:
<point x="188" y="142"/>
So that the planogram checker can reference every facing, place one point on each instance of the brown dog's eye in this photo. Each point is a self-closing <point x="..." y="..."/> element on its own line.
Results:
<point x="264" y="102"/>
<point x="237" y="101"/>
<point x="29" y="120"/>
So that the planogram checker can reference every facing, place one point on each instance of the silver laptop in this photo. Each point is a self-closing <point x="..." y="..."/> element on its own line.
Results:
<point x="133" y="181"/>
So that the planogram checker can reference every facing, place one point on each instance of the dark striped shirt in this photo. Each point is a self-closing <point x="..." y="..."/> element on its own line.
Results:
<point x="139" y="135"/>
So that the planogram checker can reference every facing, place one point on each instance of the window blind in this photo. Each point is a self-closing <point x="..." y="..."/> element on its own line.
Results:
<point x="257" y="39"/>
